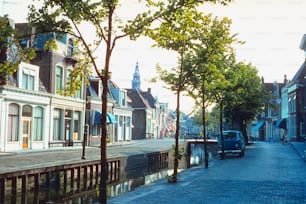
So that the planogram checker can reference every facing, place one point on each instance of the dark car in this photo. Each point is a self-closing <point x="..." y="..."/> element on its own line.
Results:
<point x="233" y="143"/>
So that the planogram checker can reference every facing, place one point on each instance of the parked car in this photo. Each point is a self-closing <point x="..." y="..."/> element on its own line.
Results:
<point x="233" y="143"/>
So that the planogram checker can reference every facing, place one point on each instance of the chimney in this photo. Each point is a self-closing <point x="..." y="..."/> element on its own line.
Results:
<point x="285" y="79"/>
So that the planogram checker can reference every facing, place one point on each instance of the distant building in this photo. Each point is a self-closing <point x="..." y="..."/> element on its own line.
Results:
<point x="150" y="117"/>
<point x="265" y="127"/>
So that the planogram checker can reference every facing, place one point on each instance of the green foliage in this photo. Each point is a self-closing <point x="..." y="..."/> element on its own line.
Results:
<point x="7" y="68"/>
<point x="50" y="45"/>
<point x="10" y="46"/>
<point x="211" y="117"/>
<point x="66" y="16"/>
<point x="244" y="96"/>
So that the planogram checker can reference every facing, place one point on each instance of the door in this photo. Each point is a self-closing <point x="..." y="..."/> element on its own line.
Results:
<point x="25" y="134"/>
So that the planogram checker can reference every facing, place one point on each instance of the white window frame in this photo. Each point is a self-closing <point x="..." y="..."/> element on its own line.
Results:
<point x="28" y="70"/>
<point x="62" y="78"/>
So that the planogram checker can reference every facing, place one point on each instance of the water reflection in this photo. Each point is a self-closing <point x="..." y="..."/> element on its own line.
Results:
<point x="131" y="184"/>
<point x="83" y="191"/>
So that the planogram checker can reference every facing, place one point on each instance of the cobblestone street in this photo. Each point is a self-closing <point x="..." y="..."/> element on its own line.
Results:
<point x="268" y="173"/>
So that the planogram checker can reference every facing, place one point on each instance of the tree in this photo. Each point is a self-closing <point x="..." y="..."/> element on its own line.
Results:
<point x="211" y="116"/>
<point x="174" y="34"/>
<point x="12" y="51"/>
<point x="67" y="16"/>
<point x="207" y="61"/>
<point x="245" y="97"/>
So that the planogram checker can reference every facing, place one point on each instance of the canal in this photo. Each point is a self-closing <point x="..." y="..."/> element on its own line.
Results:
<point x="78" y="181"/>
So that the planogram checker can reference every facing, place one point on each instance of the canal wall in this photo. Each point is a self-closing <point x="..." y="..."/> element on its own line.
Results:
<point x="37" y="185"/>
<point x="74" y="178"/>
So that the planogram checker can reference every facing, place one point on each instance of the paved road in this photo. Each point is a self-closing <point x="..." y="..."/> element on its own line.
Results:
<point x="268" y="173"/>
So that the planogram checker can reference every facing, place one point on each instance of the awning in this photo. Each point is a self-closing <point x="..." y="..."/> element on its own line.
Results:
<point x="281" y="123"/>
<point x="258" y="125"/>
<point x="110" y="118"/>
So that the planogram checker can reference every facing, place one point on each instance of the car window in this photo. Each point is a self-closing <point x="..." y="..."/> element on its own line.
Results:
<point x="229" y="135"/>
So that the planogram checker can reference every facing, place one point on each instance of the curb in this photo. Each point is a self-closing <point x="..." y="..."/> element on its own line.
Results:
<point x="7" y="153"/>
<point x="298" y="152"/>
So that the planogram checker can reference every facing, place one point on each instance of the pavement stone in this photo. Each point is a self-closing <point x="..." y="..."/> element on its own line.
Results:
<point x="300" y="148"/>
<point x="282" y="184"/>
<point x="277" y="176"/>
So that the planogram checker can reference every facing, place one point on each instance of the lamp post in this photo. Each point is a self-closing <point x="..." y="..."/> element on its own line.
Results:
<point x="84" y="140"/>
<point x="85" y="134"/>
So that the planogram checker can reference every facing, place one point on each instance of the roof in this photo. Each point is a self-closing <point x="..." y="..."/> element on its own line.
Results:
<point x="303" y="43"/>
<point x="299" y="75"/>
<point x="138" y="100"/>
<point x="148" y="96"/>
<point x="94" y="86"/>
<point x="272" y="87"/>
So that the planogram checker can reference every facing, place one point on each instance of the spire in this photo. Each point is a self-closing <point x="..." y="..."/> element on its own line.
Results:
<point x="136" y="78"/>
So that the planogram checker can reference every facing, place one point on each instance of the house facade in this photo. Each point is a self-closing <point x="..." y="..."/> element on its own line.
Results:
<point x="265" y="127"/>
<point x="33" y="113"/>
<point x="150" y="118"/>
<point x="295" y="93"/>
<point x="24" y="112"/>
<point x="119" y="114"/>
<point x="289" y="120"/>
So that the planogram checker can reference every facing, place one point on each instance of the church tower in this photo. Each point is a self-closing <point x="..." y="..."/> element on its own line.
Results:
<point x="136" y="78"/>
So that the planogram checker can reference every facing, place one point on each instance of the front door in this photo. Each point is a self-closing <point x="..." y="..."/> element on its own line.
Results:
<point x="25" y="134"/>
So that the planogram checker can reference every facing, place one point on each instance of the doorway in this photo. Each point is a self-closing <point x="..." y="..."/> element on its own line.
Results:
<point x="26" y="129"/>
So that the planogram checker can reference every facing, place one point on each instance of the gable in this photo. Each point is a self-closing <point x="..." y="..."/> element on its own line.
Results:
<point x="300" y="74"/>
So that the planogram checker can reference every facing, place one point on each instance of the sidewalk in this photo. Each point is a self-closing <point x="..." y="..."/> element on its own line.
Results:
<point x="300" y="148"/>
<point x="191" y="188"/>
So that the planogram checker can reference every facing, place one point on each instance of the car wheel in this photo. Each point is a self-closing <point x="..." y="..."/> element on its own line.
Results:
<point x="221" y="156"/>
<point x="241" y="153"/>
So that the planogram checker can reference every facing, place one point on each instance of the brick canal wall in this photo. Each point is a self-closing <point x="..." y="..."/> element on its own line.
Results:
<point x="82" y="176"/>
<point x="76" y="177"/>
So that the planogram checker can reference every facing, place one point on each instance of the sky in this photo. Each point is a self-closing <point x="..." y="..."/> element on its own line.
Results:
<point x="271" y="29"/>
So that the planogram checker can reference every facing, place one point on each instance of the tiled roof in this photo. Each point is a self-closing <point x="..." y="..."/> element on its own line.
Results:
<point x="148" y="96"/>
<point x="137" y="100"/>
<point x="300" y="74"/>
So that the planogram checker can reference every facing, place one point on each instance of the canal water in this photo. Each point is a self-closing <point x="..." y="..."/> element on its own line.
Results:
<point x="85" y="193"/>
<point x="86" y="190"/>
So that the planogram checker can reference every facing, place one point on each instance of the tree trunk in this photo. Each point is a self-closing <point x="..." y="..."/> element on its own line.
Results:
<point x="177" y="132"/>
<point x="103" y="182"/>
<point x="221" y="130"/>
<point x="105" y="77"/>
<point x="204" y="126"/>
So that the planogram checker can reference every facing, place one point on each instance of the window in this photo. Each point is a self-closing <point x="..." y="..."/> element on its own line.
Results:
<point x="123" y="98"/>
<point x="27" y="111"/>
<point x="57" y="115"/>
<point x="229" y="136"/>
<point x="68" y="125"/>
<point x="38" y="124"/>
<point x="28" y="79"/>
<point x="58" y="78"/>
<point x="302" y="130"/>
<point x="13" y="122"/>
<point x="77" y="93"/>
<point x="96" y="129"/>
<point x="68" y="73"/>
<point x="70" y="48"/>
<point x="76" y="120"/>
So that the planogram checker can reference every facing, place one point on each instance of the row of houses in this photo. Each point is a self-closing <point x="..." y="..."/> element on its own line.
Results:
<point x="286" y="118"/>
<point x="33" y="115"/>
